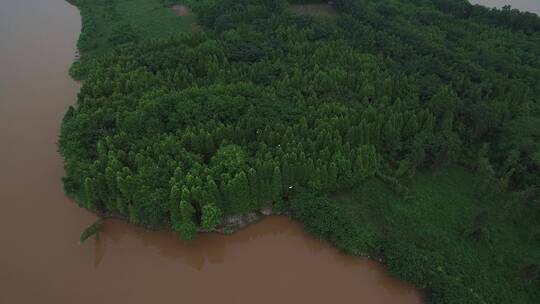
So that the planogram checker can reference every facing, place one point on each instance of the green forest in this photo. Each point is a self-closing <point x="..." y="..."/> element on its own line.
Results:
<point x="407" y="130"/>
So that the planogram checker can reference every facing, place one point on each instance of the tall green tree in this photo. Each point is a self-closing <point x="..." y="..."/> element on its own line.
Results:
<point x="211" y="217"/>
<point x="277" y="184"/>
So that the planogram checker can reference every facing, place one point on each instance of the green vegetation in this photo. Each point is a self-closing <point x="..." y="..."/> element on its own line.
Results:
<point x="314" y="9"/>
<point x="91" y="231"/>
<point x="444" y="237"/>
<point x="329" y="119"/>
<point x="107" y="24"/>
<point x="211" y="217"/>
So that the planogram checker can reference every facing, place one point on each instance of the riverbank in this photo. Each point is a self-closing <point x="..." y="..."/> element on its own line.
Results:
<point x="436" y="235"/>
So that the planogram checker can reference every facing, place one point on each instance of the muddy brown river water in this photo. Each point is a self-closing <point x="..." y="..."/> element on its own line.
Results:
<point x="40" y="258"/>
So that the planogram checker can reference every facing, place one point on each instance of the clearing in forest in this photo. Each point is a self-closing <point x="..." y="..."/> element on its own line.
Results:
<point x="181" y="10"/>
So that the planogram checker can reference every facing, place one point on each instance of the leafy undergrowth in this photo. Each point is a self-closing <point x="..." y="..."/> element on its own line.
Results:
<point x="443" y="238"/>
<point x="316" y="9"/>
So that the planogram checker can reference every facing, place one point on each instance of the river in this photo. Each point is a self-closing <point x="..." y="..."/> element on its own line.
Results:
<point x="40" y="258"/>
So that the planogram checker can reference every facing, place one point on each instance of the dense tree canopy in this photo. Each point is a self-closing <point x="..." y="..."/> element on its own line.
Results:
<point x="263" y="105"/>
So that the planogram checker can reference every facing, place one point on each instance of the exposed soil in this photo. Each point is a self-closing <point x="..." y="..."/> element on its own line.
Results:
<point x="181" y="10"/>
<point x="235" y="223"/>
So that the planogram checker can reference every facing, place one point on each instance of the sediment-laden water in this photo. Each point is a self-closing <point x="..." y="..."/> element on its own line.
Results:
<point x="40" y="258"/>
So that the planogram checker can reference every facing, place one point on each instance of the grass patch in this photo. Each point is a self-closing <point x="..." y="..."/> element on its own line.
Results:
<point x="151" y="19"/>
<point x="108" y="24"/>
